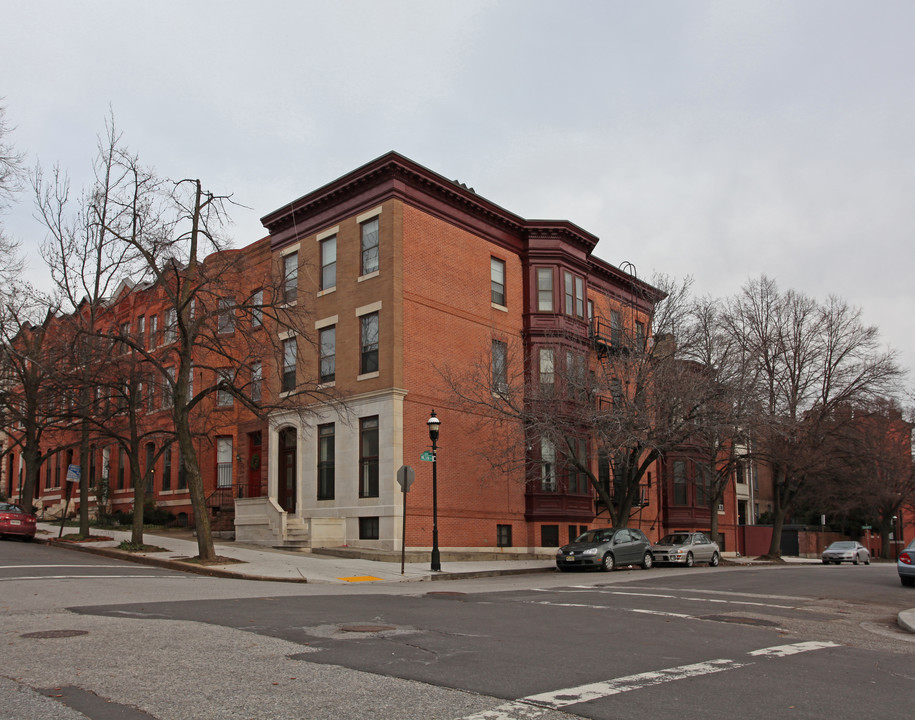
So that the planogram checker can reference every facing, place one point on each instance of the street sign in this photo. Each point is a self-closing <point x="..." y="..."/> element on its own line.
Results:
<point x="866" y="527"/>
<point x="405" y="477"/>
<point x="73" y="473"/>
<point x="427" y="456"/>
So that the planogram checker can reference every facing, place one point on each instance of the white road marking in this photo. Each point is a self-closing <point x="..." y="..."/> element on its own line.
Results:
<point x="14" y="567"/>
<point x="76" y="577"/>
<point x="534" y="706"/>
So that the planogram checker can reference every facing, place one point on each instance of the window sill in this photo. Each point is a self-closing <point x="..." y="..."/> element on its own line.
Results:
<point x="501" y="308"/>
<point x="368" y="276"/>
<point x="328" y="384"/>
<point x="322" y="293"/>
<point x="367" y="376"/>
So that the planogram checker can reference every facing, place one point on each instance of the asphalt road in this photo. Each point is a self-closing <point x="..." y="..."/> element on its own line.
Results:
<point x="768" y="642"/>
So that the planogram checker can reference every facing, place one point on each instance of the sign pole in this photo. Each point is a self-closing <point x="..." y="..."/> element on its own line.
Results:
<point x="405" y="477"/>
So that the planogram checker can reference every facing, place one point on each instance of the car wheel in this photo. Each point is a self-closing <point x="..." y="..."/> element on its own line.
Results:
<point x="647" y="561"/>
<point x="867" y="560"/>
<point x="608" y="563"/>
<point x="907" y="581"/>
<point x="689" y="560"/>
<point x="714" y="561"/>
<point x="855" y="561"/>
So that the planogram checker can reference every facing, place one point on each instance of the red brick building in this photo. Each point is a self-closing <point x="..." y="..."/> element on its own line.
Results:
<point x="402" y="280"/>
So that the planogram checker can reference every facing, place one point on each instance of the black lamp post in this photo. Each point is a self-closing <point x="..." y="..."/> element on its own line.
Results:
<point x="434" y="423"/>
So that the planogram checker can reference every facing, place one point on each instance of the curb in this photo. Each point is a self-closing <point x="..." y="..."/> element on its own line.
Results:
<point x="488" y="573"/>
<point x="167" y="564"/>
<point x="906" y="620"/>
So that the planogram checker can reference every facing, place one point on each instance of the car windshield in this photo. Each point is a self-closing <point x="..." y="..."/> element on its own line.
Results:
<point x="675" y="539"/>
<point x="842" y="546"/>
<point x="595" y="536"/>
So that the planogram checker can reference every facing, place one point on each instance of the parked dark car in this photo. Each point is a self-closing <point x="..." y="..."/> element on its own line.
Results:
<point x="686" y="548"/>
<point x="606" y="549"/>
<point x="16" y="521"/>
<point x="846" y="551"/>
<point x="905" y="565"/>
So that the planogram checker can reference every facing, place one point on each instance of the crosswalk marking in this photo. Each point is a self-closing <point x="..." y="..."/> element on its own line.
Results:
<point x="534" y="706"/>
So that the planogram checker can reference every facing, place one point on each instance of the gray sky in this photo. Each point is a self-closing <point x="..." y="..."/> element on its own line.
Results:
<point x="721" y="140"/>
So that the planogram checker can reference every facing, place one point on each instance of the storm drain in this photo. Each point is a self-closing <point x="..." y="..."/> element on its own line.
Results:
<point x="47" y="634"/>
<point x="367" y="628"/>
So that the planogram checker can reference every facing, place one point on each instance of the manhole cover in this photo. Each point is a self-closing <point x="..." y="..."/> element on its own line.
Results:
<point x="740" y="620"/>
<point x="42" y="634"/>
<point x="367" y="628"/>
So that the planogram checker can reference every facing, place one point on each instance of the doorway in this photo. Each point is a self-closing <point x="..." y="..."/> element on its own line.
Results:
<point x="287" y="474"/>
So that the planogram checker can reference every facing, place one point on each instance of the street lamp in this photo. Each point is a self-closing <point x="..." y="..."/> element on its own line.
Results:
<point x="434" y="423"/>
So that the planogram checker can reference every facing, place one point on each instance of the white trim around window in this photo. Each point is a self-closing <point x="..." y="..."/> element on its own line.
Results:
<point x="370" y="308"/>
<point x="326" y="322"/>
<point x="368" y="215"/>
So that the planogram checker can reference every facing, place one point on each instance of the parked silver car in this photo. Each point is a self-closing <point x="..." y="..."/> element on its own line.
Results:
<point x="846" y="551"/>
<point x="686" y="548"/>
<point x="905" y="564"/>
<point x="606" y="549"/>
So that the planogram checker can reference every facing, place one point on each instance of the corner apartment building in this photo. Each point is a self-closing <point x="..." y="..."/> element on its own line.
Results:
<point x="407" y="280"/>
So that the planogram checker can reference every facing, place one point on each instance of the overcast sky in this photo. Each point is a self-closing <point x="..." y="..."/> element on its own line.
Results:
<point x="719" y="140"/>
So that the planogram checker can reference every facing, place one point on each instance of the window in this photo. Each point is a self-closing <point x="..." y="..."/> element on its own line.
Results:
<point x="497" y="280"/>
<point x="680" y="482"/>
<point x="578" y="479"/>
<point x="503" y="535"/>
<point x="547" y="373"/>
<point x="579" y="297"/>
<point x="368" y="528"/>
<point x="640" y="336"/>
<point x="169" y="389"/>
<point x="290" y="277"/>
<point x="153" y="331"/>
<point x="370" y="246"/>
<point x="167" y="469"/>
<point x="125" y="333"/>
<point x="225" y="322"/>
<point x="368" y="457"/>
<point x="141" y="331"/>
<point x="545" y="289"/>
<point x="326" y="462"/>
<point x="328" y="359"/>
<point x="122" y="466"/>
<point x="257" y="378"/>
<point x="547" y="466"/>
<point x="499" y="366"/>
<point x="170" y="331"/>
<point x="151" y="394"/>
<point x="223" y="396"/>
<point x="182" y="472"/>
<point x="549" y="535"/>
<point x="289" y="361"/>
<point x="224" y="462"/>
<point x="257" y="309"/>
<point x="616" y="329"/>
<point x="329" y="263"/>
<point x="369" y="357"/>
<point x="703" y="486"/>
<point x="150" y="468"/>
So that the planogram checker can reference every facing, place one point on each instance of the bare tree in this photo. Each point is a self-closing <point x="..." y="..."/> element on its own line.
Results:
<point x="11" y="175"/>
<point x="631" y="397"/>
<point x="30" y="396"/>
<point x="87" y="261"/>
<point x="808" y="362"/>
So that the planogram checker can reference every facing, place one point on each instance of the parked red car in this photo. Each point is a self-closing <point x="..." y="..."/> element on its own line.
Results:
<point x="16" y="521"/>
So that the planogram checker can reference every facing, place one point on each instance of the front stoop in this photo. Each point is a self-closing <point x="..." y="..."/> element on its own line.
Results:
<point x="297" y="536"/>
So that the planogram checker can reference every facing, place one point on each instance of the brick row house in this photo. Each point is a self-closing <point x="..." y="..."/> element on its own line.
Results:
<point x="402" y="281"/>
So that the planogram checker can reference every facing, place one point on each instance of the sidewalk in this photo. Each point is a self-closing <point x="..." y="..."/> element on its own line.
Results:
<point x="255" y="562"/>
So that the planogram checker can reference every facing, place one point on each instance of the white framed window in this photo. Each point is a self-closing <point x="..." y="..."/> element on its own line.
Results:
<point x="497" y="281"/>
<point x="545" y="289"/>
<point x="370" y="244"/>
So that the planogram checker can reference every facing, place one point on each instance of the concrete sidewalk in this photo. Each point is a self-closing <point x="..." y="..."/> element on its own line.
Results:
<point x="255" y="562"/>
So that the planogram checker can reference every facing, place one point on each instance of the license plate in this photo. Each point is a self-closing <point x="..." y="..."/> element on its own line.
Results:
<point x="15" y="522"/>
<point x="570" y="557"/>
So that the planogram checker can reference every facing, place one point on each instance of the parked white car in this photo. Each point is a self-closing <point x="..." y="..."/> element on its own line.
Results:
<point x="686" y="548"/>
